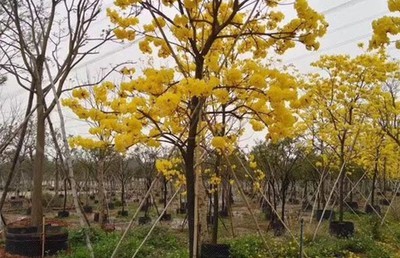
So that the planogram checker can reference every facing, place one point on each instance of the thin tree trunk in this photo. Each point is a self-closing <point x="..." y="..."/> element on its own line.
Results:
<point x="214" y="238"/>
<point x="165" y="192"/>
<point x="123" y="195"/>
<point x="38" y="167"/>
<point x="374" y="184"/>
<point x="56" y="184"/>
<point x="341" y="189"/>
<point x="190" y="174"/>
<point x="101" y="193"/>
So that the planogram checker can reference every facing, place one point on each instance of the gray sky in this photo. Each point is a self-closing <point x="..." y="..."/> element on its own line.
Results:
<point x="349" y="23"/>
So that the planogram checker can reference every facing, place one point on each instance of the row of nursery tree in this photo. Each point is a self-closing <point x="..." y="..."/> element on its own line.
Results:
<point x="218" y="82"/>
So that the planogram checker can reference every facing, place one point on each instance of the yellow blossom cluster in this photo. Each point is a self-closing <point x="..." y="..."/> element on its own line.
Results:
<point x="199" y="17"/>
<point x="385" y="27"/>
<point x="89" y="144"/>
<point x="225" y="143"/>
<point x="80" y="93"/>
<point x="169" y="169"/>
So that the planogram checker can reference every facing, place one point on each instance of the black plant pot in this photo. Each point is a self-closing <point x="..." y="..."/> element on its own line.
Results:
<point x="97" y="216"/>
<point x="63" y="214"/>
<point x="384" y="202"/>
<point x="215" y="251"/>
<point x="166" y="217"/>
<point x="343" y="229"/>
<point x="92" y="197"/>
<point x="123" y="213"/>
<point x="373" y="210"/>
<point x="144" y="220"/>
<point x="111" y="205"/>
<point x="352" y="205"/>
<point x="28" y="241"/>
<point x="87" y="209"/>
<point x="327" y="215"/>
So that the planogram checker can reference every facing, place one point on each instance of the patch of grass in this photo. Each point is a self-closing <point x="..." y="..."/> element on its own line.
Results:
<point x="161" y="243"/>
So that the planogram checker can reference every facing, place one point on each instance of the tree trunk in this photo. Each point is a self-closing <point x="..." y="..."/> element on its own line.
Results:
<point x="37" y="209"/>
<point x="165" y="193"/>
<point x="102" y="198"/>
<point x="57" y="184"/>
<point x="374" y="184"/>
<point x="285" y="186"/>
<point x="341" y="189"/>
<point x="214" y="238"/>
<point x="190" y="181"/>
<point x="123" y="195"/>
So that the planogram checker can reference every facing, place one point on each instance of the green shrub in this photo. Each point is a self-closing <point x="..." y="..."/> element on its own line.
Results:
<point x="248" y="247"/>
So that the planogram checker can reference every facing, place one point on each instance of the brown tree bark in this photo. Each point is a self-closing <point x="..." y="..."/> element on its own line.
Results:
<point x="37" y="209"/>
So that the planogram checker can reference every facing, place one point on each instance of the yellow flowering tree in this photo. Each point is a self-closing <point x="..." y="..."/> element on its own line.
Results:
<point x="275" y="165"/>
<point x="378" y="155"/>
<point x="338" y="103"/>
<point x="86" y="106"/>
<point x="386" y="27"/>
<point x="217" y="54"/>
<point x="384" y="112"/>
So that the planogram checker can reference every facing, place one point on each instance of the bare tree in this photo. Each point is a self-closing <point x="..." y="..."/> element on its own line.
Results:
<point x="52" y="31"/>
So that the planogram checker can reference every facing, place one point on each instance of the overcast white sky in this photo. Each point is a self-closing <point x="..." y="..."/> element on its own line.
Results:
<point x="349" y="23"/>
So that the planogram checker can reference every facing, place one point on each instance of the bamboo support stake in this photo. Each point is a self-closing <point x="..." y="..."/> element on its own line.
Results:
<point x="113" y="255"/>
<point x="391" y="202"/>
<point x="246" y="202"/>
<point x="196" y="214"/>
<point x="275" y="211"/>
<point x="337" y="179"/>
<point x="155" y="223"/>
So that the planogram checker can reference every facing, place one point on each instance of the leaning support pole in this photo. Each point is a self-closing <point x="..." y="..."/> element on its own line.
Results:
<point x="113" y="255"/>
<point x="70" y="167"/>
<point x="391" y="202"/>
<point x="275" y="211"/>
<point x="155" y="223"/>
<point x="337" y="180"/>
<point x="23" y="127"/>
<point x="246" y="202"/>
